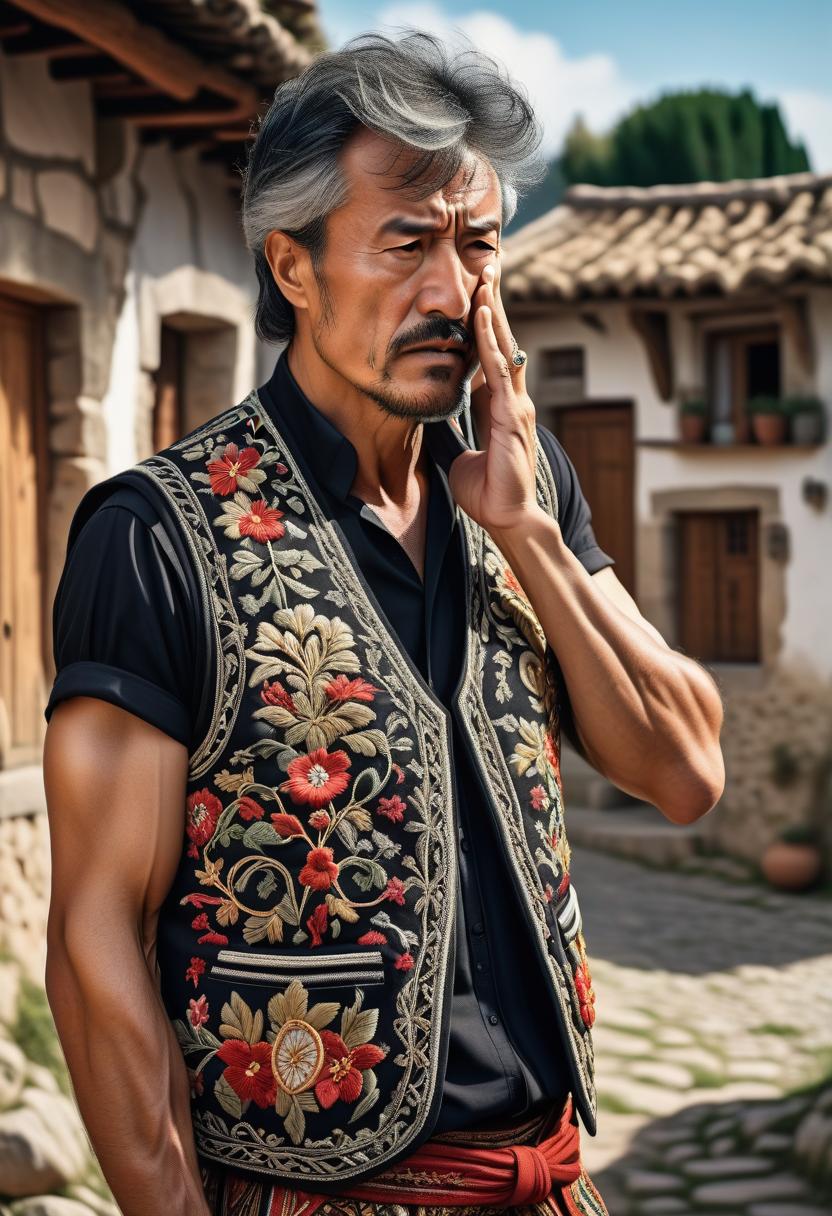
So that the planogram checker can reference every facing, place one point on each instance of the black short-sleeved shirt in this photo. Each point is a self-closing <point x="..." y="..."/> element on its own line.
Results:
<point x="128" y="628"/>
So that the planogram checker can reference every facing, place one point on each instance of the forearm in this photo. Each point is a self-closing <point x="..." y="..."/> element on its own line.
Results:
<point x="129" y="1076"/>
<point x="648" y="716"/>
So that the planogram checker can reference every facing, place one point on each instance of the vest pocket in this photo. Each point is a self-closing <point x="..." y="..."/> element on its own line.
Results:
<point x="313" y="970"/>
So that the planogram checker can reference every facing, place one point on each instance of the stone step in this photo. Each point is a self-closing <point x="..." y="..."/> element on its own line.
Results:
<point x="639" y="832"/>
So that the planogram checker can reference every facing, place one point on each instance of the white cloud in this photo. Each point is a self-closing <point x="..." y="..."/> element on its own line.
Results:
<point x="809" y="117"/>
<point x="558" y="87"/>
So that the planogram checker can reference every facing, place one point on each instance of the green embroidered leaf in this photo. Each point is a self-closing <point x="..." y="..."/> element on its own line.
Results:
<point x="358" y="1026"/>
<point x="296" y="503"/>
<point x="347" y="832"/>
<point x="228" y="1100"/>
<point x="385" y="845"/>
<point x="259" y="834"/>
<point x="246" y="561"/>
<point x="370" y="1093"/>
<point x="295" y="1122"/>
<point x="255" y="929"/>
<point x="306" y="1100"/>
<point x="368" y="873"/>
<point x="369" y="778"/>
<point x="508" y="722"/>
<point x="299" y="937"/>
<point x="266" y="885"/>
<point x="282" y="1103"/>
<point x="335" y="928"/>
<point x="287" y="910"/>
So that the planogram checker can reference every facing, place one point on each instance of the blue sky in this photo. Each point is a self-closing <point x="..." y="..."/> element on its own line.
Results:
<point x="600" y="57"/>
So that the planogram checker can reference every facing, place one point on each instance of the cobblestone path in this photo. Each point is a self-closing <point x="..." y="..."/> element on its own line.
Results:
<point x="714" y="1020"/>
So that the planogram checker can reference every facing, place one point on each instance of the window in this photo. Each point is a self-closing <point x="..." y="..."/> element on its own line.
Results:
<point x="718" y="584"/>
<point x="562" y="375"/>
<point x="741" y="364"/>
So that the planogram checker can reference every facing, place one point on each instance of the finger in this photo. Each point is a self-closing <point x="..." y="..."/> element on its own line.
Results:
<point x="502" y="329"/>
<point x="494" y="364"/>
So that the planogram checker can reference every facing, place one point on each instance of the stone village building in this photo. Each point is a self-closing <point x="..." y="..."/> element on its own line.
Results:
<point x="126" y="302"/>
<point x="630" y="301"/>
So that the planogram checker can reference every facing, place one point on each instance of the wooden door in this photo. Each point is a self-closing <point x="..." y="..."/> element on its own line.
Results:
<point x="23" y="505"/>
<point x="599" y="441"/>
<point x="168" y="406"/>
<point x="719" y="592"/>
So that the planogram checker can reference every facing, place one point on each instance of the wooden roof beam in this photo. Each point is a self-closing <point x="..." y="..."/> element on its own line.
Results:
<point x="145" y="50"/>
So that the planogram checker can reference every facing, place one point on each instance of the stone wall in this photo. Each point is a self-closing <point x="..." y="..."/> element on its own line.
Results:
<point x="789" y="706"/>
<point x="24" y="891"/>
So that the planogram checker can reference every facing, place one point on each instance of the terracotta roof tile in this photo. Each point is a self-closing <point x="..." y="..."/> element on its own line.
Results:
<point x="674" y="240"/>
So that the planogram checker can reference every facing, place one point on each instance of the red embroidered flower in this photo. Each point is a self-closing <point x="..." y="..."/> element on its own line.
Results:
<point x="200" y="921"/>
<point x="261" y="522"/>
<point x="586" y="993"/>
<point x="539" y="797"/>
<point x="276" y="694"/>
<point x="320" y="870"/>
<point x="249" y="1070"/>
<point x="203" y="811"/>
<point x="320" y="820"/>
<point x="404" y="962"/>
<point x="372" y="938"/>
<point x="217" y="939"/>
<point x="399" y="771"/>
<point x="551" y="752"/>
<point x="341" y="1074"/>
<point x="393" y="808"/>
<point x="563" y="884"/>
<point x="511" y="582"/>
<point x="342" y="689"/>
<point x="318" y="777"/>
<point x="317" y="924"/>
<point x="287" y="825"/>
<point x="198" y="1011"/>
<point x="232" y="464"/>
<point x="394" y="891"/>
<point x="195" y="970"/>
<point x="249" y="809"/>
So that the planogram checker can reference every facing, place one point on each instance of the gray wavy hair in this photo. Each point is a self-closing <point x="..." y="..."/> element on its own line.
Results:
<point x="445" y="103"/>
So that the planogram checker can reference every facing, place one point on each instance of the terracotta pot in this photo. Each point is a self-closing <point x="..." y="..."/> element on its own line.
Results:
<point x="692" y="427"/>
<point x="769" y="428"/>
<point x="791" y="867"/>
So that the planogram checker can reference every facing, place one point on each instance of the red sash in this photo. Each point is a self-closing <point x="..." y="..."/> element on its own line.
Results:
<point x="457" y="1175"/>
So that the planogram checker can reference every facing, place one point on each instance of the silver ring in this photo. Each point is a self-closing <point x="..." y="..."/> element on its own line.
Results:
<point x="518" y="356"/>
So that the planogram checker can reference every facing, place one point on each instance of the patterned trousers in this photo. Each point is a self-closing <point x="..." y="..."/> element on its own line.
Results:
<point x="234" y="1194"/>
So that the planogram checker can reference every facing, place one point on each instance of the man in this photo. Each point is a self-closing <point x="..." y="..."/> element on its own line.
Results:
<point x="354" y="980"/>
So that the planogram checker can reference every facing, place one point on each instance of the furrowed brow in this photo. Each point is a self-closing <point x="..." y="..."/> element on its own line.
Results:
<point x="401" y="225"/>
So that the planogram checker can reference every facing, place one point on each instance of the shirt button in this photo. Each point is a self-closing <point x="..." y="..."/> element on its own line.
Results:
<point x="481" y="967"/>
<point x="477" y="928"/>
<point x="493" y="1019"/>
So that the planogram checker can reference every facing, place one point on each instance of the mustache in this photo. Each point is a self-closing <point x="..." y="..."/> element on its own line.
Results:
<point x="432" y="329"/>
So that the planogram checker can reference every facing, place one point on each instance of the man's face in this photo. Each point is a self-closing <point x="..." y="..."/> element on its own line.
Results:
<point x="399" y="273"/>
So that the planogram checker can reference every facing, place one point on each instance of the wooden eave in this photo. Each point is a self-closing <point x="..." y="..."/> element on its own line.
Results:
<point x="137" y="72"/>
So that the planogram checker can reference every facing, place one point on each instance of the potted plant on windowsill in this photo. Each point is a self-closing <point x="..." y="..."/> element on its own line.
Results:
<point x="768" y="419"/>
<point x="806" y="416"/>
<point x="693" y="416"/>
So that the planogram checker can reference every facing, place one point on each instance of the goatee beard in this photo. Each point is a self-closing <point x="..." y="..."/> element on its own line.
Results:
<point x="410" y="405"/>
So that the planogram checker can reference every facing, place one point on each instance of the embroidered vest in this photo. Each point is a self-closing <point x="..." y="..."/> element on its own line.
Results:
<point x="306" y="947"/>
